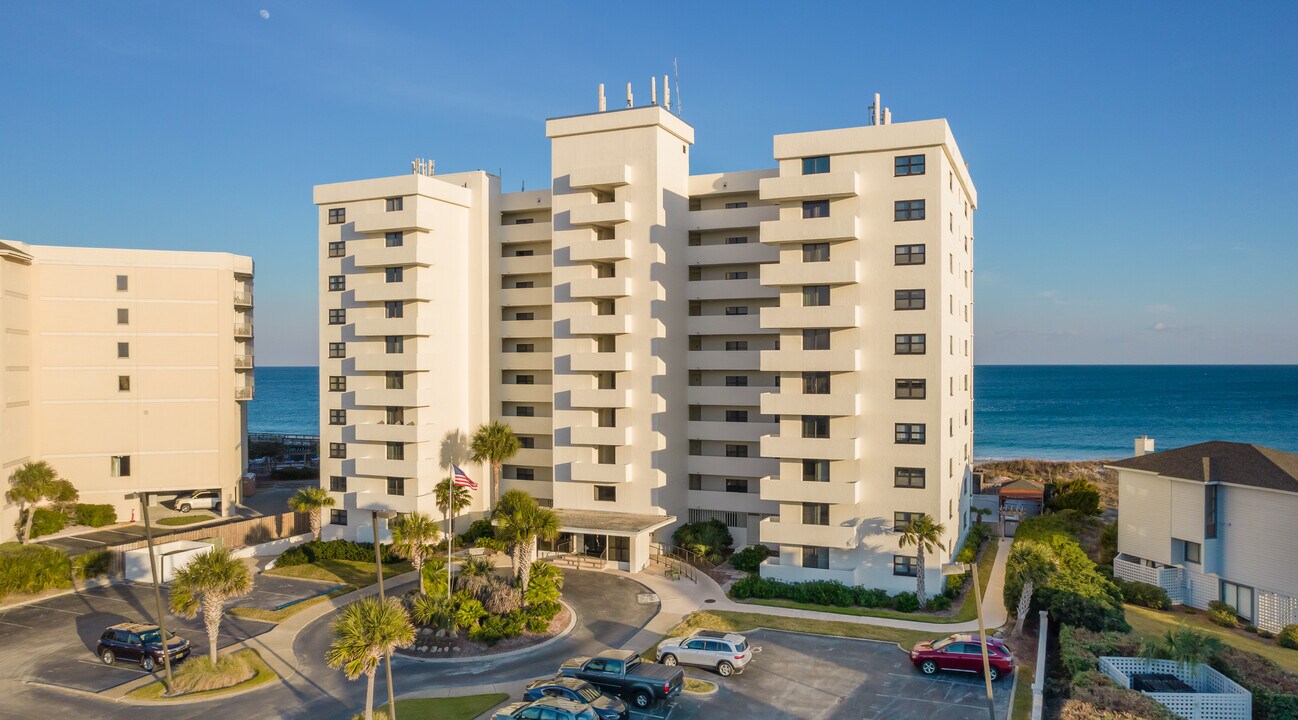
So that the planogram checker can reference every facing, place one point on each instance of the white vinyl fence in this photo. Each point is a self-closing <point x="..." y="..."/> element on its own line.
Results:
<point x="1215" y="696"/>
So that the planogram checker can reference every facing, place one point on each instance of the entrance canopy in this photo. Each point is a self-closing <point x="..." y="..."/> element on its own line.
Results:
<point x="601" y="522"/>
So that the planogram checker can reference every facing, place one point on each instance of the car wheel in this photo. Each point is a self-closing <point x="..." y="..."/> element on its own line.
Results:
<point x="642" y="699"/>
<point x="928" y="667"/>
<point x="994" y="673"/>
<point x="669" y="659"/>
<point x="725" y="669"/>
<point x="186" y="508"/>
<point x="108" y="657"/>
<point x="146" y="662"/>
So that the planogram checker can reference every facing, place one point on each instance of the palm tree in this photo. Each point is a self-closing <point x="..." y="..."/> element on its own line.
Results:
<point x="521" y="523"/>
<point x="1033" y="564"/>
<point x="926" y="535"/>
<point x="206" y="583"/>
<point x="495" y="444"/>
<point x="312" y="501"/>
<point x="451" y="499"/>
<point x="1184" y="645"/>
<point x="365" y="632"/>
<point x="32" y="484"/>
<point x="413" y="536"/>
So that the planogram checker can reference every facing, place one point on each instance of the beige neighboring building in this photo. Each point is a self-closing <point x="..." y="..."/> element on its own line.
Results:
<point x="788" y="351"/>
<point x="126" y="370"/>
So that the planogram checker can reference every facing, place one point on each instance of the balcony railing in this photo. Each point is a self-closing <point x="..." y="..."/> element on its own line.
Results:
<point x="243" y="330"/>
<point x="242" y="298"/>
<point x="243" y="393"/>
<point x="242" y="362"/>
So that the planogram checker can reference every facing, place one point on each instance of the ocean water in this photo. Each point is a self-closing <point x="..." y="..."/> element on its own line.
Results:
<point x="1048" y="412"/>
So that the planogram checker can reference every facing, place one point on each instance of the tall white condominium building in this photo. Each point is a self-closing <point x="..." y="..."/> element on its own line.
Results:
<point x="785" y="350"/>
<point x="126" y="370"/>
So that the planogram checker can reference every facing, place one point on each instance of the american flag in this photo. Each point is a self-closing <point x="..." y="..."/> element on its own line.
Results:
<point x="462" y="480"/>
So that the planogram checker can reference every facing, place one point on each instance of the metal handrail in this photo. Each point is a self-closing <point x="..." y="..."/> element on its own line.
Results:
<point x="690" y="558"/>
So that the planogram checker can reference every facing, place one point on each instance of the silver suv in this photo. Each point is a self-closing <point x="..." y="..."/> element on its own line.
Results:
<point x="202" y="499"/>
<point x="727" y="653"/>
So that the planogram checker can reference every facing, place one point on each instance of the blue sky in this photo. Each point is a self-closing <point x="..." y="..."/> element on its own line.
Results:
<point x="1137" y="163"/>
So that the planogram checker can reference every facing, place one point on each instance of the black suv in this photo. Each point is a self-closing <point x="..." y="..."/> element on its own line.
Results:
<point x="138" y="642"/>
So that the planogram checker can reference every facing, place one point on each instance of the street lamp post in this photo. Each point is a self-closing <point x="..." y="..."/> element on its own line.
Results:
<point x="958" y="569"/>
<point x="378" y="570"/>
<point x="157" y="589"/>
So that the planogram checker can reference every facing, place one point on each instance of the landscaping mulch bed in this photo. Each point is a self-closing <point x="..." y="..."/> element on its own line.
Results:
<point x="428" y="645"/>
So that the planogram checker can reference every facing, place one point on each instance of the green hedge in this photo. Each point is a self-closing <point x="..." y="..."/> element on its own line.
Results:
<point x="750" y="558"/>
<point x="1288" y="638"/>
<point x="30" y="569"/>
<point x="333" y="550"/>
<point x="1077" y="593"/>
<point x="47" y="522"/>
<point x="973" y="542"/>
<point x="830" y="592"/>
<point x="94" y="515"/>
<point x="1144" y="594"/>
<point x="711" y="539"/>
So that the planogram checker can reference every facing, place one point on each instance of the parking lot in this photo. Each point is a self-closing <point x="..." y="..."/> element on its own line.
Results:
<point x="53" y="641"/>
<point x="809" y="676"/>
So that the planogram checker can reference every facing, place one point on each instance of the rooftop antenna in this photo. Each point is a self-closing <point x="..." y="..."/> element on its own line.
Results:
<point x="603" y="105"/>
<point x="630" y="99"/>
<point x="887" y="116"/>
<point x="874" y="110"/>
<point x="667" y="94"/>
<point x="676" y="68"/>
<point x="653" y="90"/>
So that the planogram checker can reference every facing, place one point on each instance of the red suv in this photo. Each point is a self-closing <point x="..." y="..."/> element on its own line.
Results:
<point x="962" y="652"/>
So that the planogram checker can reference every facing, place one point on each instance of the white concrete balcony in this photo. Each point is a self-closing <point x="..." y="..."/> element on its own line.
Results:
<point x="408" y="289"/>
<point x="601" y="435"/>
<point x="794" y="403"/>
<point x="776" y="489"/>
<point x="524" y="361"/>
<point x="784" y="533"/>
<point x="243" y="330"/>
<point x="514" y="392"/>
<point x="599" y="250"/>
<point x="821" y="316"/>
<point x="404" y="398"/>
<point x="747" y="396"/>
<point x="804" y="230"/>
<point x="243" y="393"/>
<point x="600" y="362"/>
<point x="530" y="425"/>
<point x="723" y="359"/>
<point x="603" y="176"/>
<point x="594" y="288"/>
<point x="602" y="214"/>
<point x="396" y="432"/>
<point x="525" y="264"/>
<point x="752" y="251"/>
<point x="790" y="360"/>
<point x="533" y="457"/>
<point x="731" y="501"/>
<point x="603" y="474"/>
<point x="526" y="297"/>
<point x="383" y="362"/>
<point x="781" y="446"/>
<point x="725" y="324"/>
<point x="382" y="467"/>
<point x="524" y="233"/>
<point x="810" y="187"/>
<point x="242" y="299"/>
<point x="409" y="253"/>
<point x="419" y="216"/>
<point x="383" y="327"/>
<point x="243" y="362"/>
<point x="600" y="325"/>
<point x="723" y="219"/>
<point x="730" y="431"/>
<point x="732" y="466"/>
<point x="834" y="272"/>
<point x="593" y="398"/>
<point x="729" y="289"/>
<point x="771" y="568"/>
<point x="527" y="328"/>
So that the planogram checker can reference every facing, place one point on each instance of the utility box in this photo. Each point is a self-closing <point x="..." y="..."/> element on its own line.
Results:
<point x="249" y="485"/>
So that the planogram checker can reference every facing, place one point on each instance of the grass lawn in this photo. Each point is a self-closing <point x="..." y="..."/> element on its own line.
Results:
<point x="466" y="707"/>
<point x="699" y="686"/>
<point x="277" y="616"/>
<point x="1026" y="670"/>
<point x="343" y="572"/>
<point x="10" y="547"/>
<point x="743" y="622"/>
<point x="263" y="674"/>
<point x="1153" y="623"/>
<point x="175" y="520"/>
<point x="967" y="611"/>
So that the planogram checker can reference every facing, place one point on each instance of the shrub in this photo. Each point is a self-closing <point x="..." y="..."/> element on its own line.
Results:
<point x="1250" y="628"/>
<point x="1077" y="593"/>
<point x="92" y="564"/>
<point x="1144" y="594"/>
<point x="756" y="586"/>
<point x="491" y="543"/>
<point x="94" y="515"/>
<point x="33" y="568"/>
<point x="317" y="550"/>
<point x="537" y="624"/>
<point x="1094" y="696"/>
<point x="1275" y="692"/>
<point x="954" y="584"/>
<point x="905" y="602"/>
<point x="821" y="592"/>
<point x="1265" y="634"/>
<point x="939" y="603"/>
<point x="200" y="673"/>
<point x="47" y="522"/>
<point x="710" y="539"/>
<point x="1289" y="637"/>
<point x="1108" y="545"/>
<point x="1222" y="614"/>
<point x="1077" y="495"/>
<point x="873" y="597"/>
<point x="750" y="558"/>
<point x="480" y="528"/>
<point x="544" y="585"/>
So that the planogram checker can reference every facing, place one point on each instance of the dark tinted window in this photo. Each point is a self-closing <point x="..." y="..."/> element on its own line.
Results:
<point x="817" y="165"/>
<point x="909" y="165"/>
<point x="815" y="208"/>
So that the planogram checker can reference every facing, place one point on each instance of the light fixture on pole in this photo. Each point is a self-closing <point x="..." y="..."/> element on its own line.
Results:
<point x="959" y="569"/>
<point x="157" y="588"/>
<point x="378" y="570"/>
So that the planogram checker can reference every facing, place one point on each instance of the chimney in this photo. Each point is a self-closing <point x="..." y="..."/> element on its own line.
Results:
<point x="1144" y="445"/>
<point x="1207" y="469"/>
<point x="603" y="105"/>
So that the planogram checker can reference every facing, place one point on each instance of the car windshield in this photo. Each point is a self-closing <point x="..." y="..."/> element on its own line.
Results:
<point x="942" y="643"/>
<point x="151" y="637"/>
<point x="588" y="693"/>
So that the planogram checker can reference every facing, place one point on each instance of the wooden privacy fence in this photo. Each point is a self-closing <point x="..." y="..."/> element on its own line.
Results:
<point x="232" y="534"/>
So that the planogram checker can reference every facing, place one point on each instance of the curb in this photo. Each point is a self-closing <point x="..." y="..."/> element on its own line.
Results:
<point x="572" y="623"/>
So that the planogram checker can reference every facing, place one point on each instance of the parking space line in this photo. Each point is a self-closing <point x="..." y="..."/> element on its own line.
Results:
<point x="115" y="666"/>
<point x="912" y="698"/>
<point x="6" y="622"/>
<point x="46" y="607"/>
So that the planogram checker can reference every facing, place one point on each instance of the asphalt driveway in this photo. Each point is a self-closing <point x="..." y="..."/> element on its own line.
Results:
<point x="808" y="677"/>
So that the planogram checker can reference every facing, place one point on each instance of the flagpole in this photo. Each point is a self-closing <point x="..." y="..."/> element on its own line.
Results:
<point x="450" y="501"/>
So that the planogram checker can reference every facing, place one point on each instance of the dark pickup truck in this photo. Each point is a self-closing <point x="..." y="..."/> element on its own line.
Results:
<point x="620" y="672"/>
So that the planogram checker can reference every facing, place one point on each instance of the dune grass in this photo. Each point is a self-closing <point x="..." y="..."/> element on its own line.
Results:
<point x="199" y="675"/>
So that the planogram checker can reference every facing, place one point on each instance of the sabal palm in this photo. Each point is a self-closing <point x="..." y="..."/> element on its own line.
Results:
<point x="312" y="501"/>
<point x="511" y="504"/>
<point x="522" y="524"/>
<point x="1032" y="563"/>
<point x="29" y="485"/>
<point x="451" y="499"/>
<point x="495" y="443"/>
<point x="205" y="584"/>
<point x="365" y="632"/>
<point x="413" y="536"/>
<point x="925" y="534"/>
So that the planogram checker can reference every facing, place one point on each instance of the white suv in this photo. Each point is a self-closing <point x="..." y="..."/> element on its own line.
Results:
<point x="728" y="653"/>
<point x="201" y="499"/>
